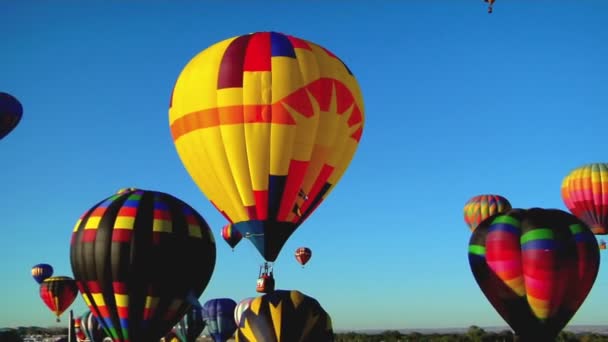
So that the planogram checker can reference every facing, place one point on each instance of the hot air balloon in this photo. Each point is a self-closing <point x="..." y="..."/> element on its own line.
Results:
<point x="80" y="336"/>
<point x="285" y="316"/>
<point x="536" y="268"/>
<point x="602" y="244"/>
<point x="11" y="112"/>
<point x="585" y="194"/>
<point x="490" y="4"/>
<point x="231" y="235"/>
<point x="124" y="253"/>
<point x="41" y="271"/>
<point x="91" y="327"/>
<point x="218" y="314"/>
<point x="266" y="125"/>
<point x="481" y="207"/>
<point x="240" y="308"/>
<point x="191" y="325"/>
<point x="58" y="293"/>
<point x="303" y="254"/>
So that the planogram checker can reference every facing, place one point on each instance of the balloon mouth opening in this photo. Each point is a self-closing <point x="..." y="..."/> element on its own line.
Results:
<point x="599" y="230"/>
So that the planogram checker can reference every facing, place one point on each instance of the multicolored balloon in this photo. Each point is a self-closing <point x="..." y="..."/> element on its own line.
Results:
<point x="536" y="267"/>
<point x="80" y="335"/>
<point x="303" y="254"/>
<point x="124" y="253"/>
<point x="41" y="271"/>
<point x="11" y="112"/>
<point x="285" y="316"/>
<point x="231" y="235"/>
<point x="91" y="327"/>
<point x="240" y="308"/>
<point x="266" y="124"/>
<point x="58" y="293"/>
<point x="218" y="314"/>
<point x="481" y="207"/>
<point x="585" y="194"/>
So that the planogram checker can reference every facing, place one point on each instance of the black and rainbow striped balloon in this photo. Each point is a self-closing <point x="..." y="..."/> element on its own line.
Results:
<point x="140" y="258"/>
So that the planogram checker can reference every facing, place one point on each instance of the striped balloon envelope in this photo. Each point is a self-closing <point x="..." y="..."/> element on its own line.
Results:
<point x="536" y="267"/>
<point x="585" y="194"/>
<point x="481" y="207"/>
<point x="266" y="124"/>
<point x="129" y="254"/>
<point x="58" y="293"/>
<point x="41" y="271"/>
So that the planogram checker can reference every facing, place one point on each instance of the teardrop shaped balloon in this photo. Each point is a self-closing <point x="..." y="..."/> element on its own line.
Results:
<point x="303" y="254"/>
<point x="218" y="314"/>
<point x="283" y="316"/>
<point x="191" y="325"/>
<point x="536" y="267"/>
<point x="231" y="235"/>
<point x="585" y="194"/>
<point x="58" y="293"/>
<point x="126" y="253"/>
<point x="41" y="271"/>
<point x="266" y="125"/>
<point x="11" y="112"/>
<point x="481" y="207"/>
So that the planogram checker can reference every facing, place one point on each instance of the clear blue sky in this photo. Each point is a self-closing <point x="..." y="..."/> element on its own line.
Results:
<point x="458" y="103"/>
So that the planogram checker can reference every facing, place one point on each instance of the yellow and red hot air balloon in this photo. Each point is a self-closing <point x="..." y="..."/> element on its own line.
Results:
<point x="585" y="194"/>
<point x="266" y="125"/>
<point x="481" y="207"/>
<point x="58" y="293"/>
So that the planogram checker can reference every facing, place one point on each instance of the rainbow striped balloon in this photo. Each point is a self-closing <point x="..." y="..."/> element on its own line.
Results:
<point x="481" y="207"/>
<point x="536" y="268"/>
<point x="585" y="193"/>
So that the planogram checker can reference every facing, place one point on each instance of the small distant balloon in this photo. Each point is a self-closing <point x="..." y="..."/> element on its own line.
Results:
<point x="585" y="194"/>
<point x="11" y="112"/>
<point x="302" y="255"/>
<point x="231" y="235"/>
<point x="481" y="207"/>
<point x="41" y="271"/>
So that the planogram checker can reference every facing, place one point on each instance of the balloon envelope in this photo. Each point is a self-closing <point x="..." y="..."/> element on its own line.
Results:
<point x="41" y="271"/>
<point x="266" y="125"/>
<point x="240" y="308"/>
<point x="58" y="293"/>
<point x="536" y="268"/>
<point x="231" y="235"/>
<point x="283" y="316"/>
<point x="91" y="327"/>
<point x="303" y="254"/>
<point x="11" y="112"/>
<point x="481" y="207"/>
<point x="218" y="313"/>
<point x="585" y="194"/>
<point x="128" y="255"/>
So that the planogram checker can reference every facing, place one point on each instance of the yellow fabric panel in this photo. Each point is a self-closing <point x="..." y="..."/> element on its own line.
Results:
<point x="307" y="65"/>
<point x="257" y="136"/>
<point x="286" y="77"/>
<point x="281" y="146"/>
<point x="122" y="300"/>
<point x="165" y="226"/>
<point x="92" y="222"/>
<point x="276" y="312"/>
<point x="236" y="155"/>
<point x="306" y="133"/>
<point x="124" y="222"/>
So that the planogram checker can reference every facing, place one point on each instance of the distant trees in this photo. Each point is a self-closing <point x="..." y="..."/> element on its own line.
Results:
<point x="10" y="335"/>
